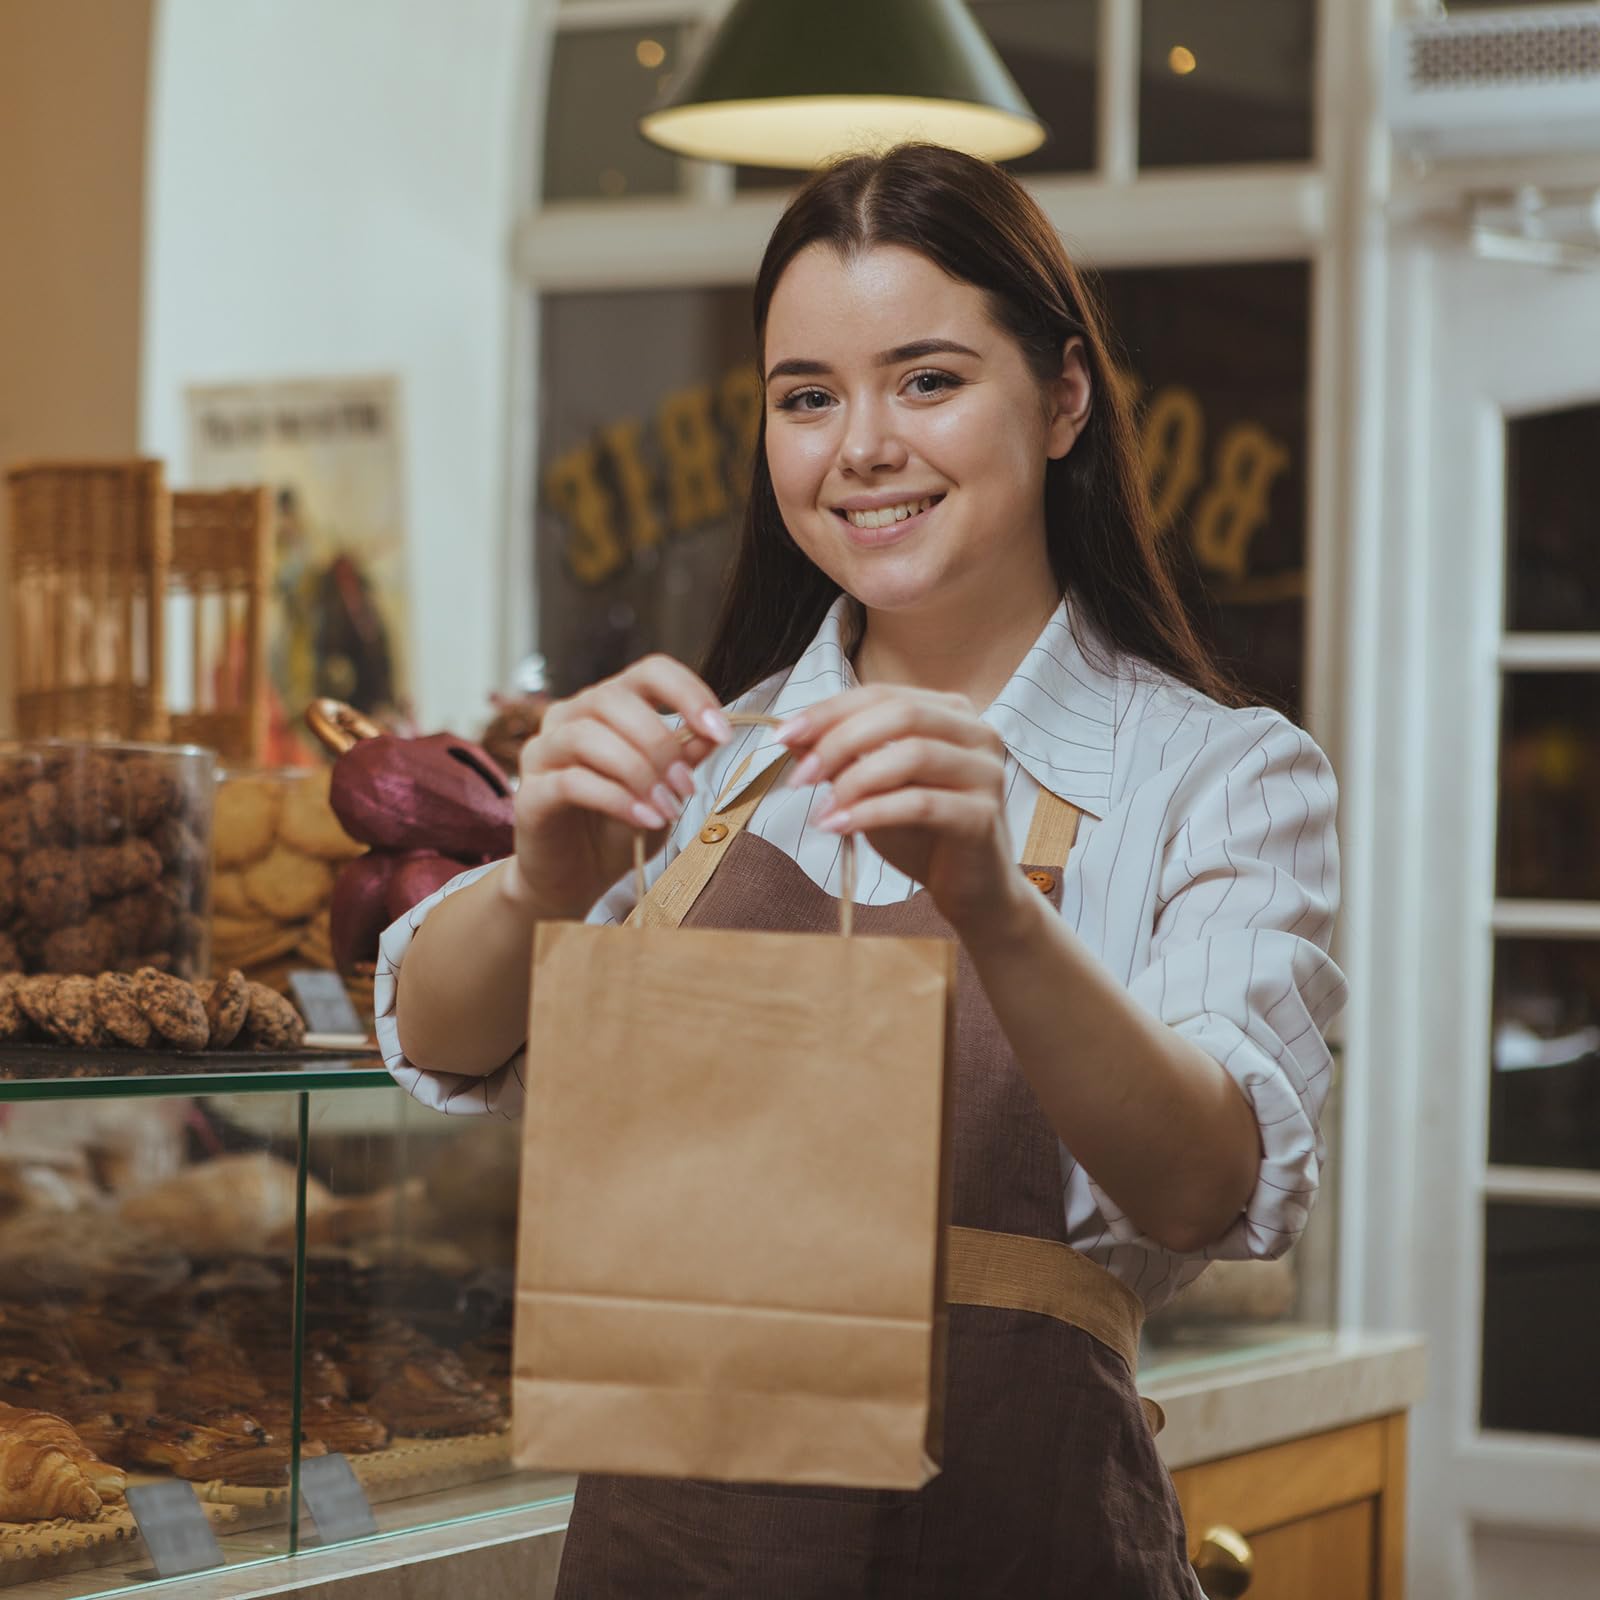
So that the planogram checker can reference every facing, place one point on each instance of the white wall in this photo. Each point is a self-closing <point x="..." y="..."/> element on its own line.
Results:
<point x="332" y="188"/>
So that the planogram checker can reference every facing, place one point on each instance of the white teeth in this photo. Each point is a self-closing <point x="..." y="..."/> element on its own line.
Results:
<point x="889" y="514"/>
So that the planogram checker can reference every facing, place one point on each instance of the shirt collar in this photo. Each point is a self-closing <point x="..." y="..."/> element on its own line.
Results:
<point x="1057" y="713"/>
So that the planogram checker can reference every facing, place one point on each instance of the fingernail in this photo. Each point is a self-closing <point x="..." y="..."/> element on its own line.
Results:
<point x="793" y="728"/>
<point x="806" y="772"/>
<point x="681" y="779"/>
<point x="645" y="817"/>
<point x="834" y="822"/>
<point x="716" y="725"/>
<point x="666" y="802"/>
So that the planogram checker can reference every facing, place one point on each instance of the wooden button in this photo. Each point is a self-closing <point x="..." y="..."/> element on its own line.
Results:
<point x="1044" y="882"/>
<point x="714" y="833"/>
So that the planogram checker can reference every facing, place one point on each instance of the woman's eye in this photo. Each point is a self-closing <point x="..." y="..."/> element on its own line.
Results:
<point x="801" y="400"/>
<point x="931" y="383"/>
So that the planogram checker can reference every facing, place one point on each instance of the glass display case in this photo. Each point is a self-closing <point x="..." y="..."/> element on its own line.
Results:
<point x="217" y="1275"/>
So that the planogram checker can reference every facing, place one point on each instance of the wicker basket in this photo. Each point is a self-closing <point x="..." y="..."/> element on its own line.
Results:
<point x="91" y="544"/>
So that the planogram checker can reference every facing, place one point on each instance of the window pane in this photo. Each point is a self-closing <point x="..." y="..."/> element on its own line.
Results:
<point x="1544" y="1095"/>
<point x="1225" y="82"/>
<point x="1541" y="1299"/>
<point x="1051" y="47"/>
<point x="1220" y="358"/>
<point x="602" y="81"/>
<point x="1552" y="488"/>
<point x="1549" y="820"/>
<point x="649" y="419"/>
<point x="650" y="405"/>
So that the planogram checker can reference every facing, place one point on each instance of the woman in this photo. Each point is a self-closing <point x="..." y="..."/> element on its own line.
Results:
<point x="949" y="590"/>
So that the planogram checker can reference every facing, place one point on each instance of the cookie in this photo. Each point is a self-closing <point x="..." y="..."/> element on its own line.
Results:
<point x="113" y="869"/>
<point x="16" y="832"/>
<point x="118" y="1011"/>
<point x="52" y="888"/>
<point x="228" y="898"/>
<point x="152" y="792"/>
<point x="13" y="1019"/>
<point x="10" y="956"/>
<point x="178" y="845"/>
<point x="288" y="886"/>
<point x="70" y="1015"/>
<point x="272" y="1023"/>
<point x="33" y="995"/>
<point x="306" y="822"/>
<point x="45" y="817"/>
<point x="245" y="821"/>
<point x="8" y="888"/>
<point x="88" y="948"/>
<point x="93" y="799"/>
<point x="172" y="1008"/>
<point x="227" y="1003"/>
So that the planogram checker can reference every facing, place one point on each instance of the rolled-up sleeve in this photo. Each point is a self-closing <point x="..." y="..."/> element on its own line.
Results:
<point x="497" y="1093"/>
<point x="1248" y="892"/>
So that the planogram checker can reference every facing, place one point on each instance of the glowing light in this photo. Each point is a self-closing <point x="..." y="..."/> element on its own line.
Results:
<point x="1181" y="60"/>
<point x="649" y="53"/>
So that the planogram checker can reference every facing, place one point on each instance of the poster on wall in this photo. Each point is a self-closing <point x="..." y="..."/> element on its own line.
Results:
<point x="331" y="451"/>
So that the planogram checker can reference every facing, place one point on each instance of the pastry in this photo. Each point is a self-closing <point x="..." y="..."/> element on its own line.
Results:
<point x="172" y="1008"/>
<point x="272" y="1023"/>
<point x="38" y="1482"/>
<point x="116" y="1006"/>
<point x="224" y="1205"/>
<point x="227" y="1003"/>
<point x="52" y="1432"/>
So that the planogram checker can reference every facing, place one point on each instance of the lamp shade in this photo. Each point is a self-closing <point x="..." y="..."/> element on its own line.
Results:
<point x="789" y="83"/>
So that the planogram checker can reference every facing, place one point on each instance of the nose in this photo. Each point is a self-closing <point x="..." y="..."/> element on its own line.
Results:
<point x="870" y="443"/>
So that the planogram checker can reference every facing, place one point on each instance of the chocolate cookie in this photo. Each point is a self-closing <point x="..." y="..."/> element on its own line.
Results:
<point x="114" y="869"/>
<point x="272" y="1022"/>
<point x="52" y="888"/>
<point x="45" y="817"/>
<point x="13" y="1019"/>
<point x="172" y="1008"/>
<point x="118" y="1010"/>
<point x="8" y="888"/>
<point x="34" y="995"/>
<point x="152" y="792"/>
<point x="227" y="1003"/>
<point x="10" y="956"/>
<point x="16" y="832"/>
<point x="88" y="948"/>
<point x="70" y="1016"/>
<point x="93" y="796"/>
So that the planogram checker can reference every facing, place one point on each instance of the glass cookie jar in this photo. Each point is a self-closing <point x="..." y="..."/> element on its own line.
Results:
<point x="105" y="857"/>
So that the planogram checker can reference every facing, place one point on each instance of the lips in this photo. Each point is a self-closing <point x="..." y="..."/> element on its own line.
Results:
<point x="891" y="533"/>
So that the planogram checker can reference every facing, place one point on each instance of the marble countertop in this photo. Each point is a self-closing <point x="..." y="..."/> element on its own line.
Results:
<point x="1219" y="1404"/>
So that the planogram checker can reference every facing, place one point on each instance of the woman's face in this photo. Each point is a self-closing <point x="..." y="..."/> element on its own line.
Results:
<point x="907" y="437"/>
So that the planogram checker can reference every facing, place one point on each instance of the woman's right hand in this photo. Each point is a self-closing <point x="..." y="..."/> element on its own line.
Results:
<point x="603" y="767"/>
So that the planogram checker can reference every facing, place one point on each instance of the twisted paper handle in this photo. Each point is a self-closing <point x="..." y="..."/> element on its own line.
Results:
<point x="847" y="843"/>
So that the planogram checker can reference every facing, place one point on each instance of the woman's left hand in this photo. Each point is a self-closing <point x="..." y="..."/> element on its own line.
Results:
<point x="923" y="777"/>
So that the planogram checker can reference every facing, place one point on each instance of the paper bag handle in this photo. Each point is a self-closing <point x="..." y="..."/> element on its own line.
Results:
<point x="847" y="843"/>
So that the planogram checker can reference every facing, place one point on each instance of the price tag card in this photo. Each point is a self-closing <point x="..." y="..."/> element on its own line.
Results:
<point x="330" y="1018"/>
<point x="175" y="1530"/>
<point x="335" y="1499"/>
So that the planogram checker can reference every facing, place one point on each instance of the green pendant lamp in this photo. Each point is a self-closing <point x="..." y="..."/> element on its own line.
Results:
<point x="789" y="83"/>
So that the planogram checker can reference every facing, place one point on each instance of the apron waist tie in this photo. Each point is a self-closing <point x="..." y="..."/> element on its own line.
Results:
<point x="1014" y="1272"/>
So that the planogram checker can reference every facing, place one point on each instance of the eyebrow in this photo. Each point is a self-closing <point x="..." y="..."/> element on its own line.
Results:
<point x="915" y="351"/>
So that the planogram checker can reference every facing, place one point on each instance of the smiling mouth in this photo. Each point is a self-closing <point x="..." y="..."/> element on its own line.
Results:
<point x="872" y="529"/>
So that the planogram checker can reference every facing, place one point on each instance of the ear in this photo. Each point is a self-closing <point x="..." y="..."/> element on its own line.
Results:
<point x="1070" y="399"/>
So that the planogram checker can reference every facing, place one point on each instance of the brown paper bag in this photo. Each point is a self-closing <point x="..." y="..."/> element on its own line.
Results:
<point x="734" y="1204"/>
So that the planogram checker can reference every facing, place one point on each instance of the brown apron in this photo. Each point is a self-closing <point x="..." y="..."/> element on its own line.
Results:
<point x="1051" y="1485"/>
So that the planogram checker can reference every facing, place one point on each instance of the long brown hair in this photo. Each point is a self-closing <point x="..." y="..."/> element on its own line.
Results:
<point x="978" y="224"/>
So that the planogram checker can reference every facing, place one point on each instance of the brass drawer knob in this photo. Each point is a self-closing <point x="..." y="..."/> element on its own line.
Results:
<point x="1224" y="1563"/>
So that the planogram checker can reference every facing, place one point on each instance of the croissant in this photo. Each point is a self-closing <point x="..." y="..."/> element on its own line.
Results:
<point x="38" y="1482"/>
<point x="47" y="1431"/>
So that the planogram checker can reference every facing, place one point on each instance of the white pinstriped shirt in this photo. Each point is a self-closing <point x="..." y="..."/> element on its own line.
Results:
<point x="1205" y="876"/>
